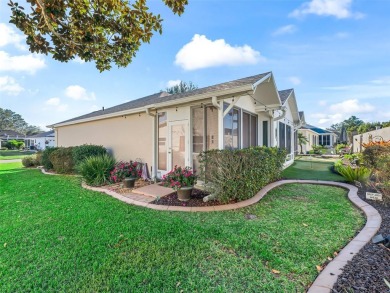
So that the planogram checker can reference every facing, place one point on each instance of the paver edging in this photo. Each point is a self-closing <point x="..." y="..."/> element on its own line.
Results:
<point x="328" y="277"/>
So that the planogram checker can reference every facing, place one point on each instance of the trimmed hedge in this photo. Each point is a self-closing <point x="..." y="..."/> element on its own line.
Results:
<point x="81" y="152"/>
<point x="66" y="159"/>
<point x="62" y="160"/>
<point x="29" y="161"/>
<point x="240" y="174"/>
<point x="47" y="164"/>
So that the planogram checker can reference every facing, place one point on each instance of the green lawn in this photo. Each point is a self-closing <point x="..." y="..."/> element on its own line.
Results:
<point x="56" y="236"/>
<point x="11" y="155"/>
<point x="311" y="169"/>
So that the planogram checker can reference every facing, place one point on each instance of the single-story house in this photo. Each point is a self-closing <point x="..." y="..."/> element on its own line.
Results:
<point x="317" y="136"/>
<point x="42" y="140"/>
<point x="374" y="135"/>
<point x="165" y="130"/>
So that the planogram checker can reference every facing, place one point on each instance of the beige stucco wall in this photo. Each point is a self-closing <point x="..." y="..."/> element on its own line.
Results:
<point x="364" y="138"/>
<point x="126" y="138"/>
<point x="311" y="137"/>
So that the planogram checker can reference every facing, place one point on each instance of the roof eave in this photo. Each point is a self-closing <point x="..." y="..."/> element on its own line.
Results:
<point x="221" y="93"/>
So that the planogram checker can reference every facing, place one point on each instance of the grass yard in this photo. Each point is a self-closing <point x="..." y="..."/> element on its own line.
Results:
<point x="14" y="154"/>
<point x="311" y="169"/>
<point x="56" y="236"/>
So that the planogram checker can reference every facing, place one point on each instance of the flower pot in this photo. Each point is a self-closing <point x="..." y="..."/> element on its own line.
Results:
<point x="129" y="182"/>
<point x="184" y="193"/>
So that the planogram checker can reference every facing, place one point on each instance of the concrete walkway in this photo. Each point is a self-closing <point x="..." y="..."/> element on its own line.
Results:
<point x="10" y="161"/>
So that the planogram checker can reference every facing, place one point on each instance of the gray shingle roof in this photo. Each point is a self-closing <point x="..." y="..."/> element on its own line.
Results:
<point x="43" y="134"/>
<point x="165" y="97"/>
<point x="285" y="94"/>
<point x="301" y="114"/>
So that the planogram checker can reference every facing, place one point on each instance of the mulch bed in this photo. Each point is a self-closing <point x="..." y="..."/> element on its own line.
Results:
<point x="366" y="271"/>
<point x="121" y="189"/>
<point x="195" y="201"/>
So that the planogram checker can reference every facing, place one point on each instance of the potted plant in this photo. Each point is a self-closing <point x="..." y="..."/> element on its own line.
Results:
<point x="182" y="180"/>
<point x="127" y="172"/>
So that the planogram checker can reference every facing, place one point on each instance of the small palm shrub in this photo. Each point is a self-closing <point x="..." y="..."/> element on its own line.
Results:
<point x="96" y="170"/>
<point x="361" y="174"/>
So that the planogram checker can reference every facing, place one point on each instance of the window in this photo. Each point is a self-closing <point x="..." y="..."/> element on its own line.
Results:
<point x="231" y="126"/>
<point x="265" y="133"/>
<point x="288" y="139"/>
<point x="282" y="135"/>
<point x="249" y="130"/>
<point x="162" y="141"/>
<point x="204" y="131"/>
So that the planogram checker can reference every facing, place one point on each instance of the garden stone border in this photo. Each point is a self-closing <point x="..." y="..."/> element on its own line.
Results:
<point x="328" y="277"/>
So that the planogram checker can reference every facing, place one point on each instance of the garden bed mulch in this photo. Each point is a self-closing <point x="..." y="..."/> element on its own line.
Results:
<point x="195" y="201"/>
<point x="368" y="268"/>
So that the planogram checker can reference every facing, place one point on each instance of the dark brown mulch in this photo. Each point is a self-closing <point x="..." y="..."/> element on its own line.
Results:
<point x="366" y="271"/>
<point x="195" y="201"/>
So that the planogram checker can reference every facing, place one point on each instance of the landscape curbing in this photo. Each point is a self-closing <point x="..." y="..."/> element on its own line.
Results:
<point x="328" y="277"/>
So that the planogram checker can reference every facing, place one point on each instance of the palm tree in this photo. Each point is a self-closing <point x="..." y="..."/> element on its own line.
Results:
<point x="182" y="87"/>
<point x="302" y="140"/>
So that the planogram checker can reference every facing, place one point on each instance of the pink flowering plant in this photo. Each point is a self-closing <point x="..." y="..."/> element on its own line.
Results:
<point x="125" y="169"/>
<point x="179" y="177"/>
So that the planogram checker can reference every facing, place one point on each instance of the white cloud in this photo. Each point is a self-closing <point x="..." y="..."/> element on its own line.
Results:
<point x="8" y="36"/>
<point x="202" y="53"/>
<point x="295" y="80"/>
<point x="78" y="60"/>
<point x="338" y="112"/>
<point x="322" y="103"/>
<point x="352" y="106"/>
<point x="337" y="8"/>
<point x="382" y="81"/>
<point x="55" y="103"/>
<point x="77" y="92"/>
<point x="172" y="83"/>
<point x="287" y="29"/>
<point x="9" y="86"/>
<point x="23" y="63"/>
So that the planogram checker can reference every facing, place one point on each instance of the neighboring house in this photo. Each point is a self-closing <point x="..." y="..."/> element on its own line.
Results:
<point x="42" y="140"/>
<point x="317" y="136"/>
<point x="165" y="130"/>
<point x="6" y="135"/>
<point x="375" y="135"/>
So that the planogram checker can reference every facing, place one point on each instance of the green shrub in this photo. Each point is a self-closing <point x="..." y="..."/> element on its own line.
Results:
<point x="80" y="153"/>
<point x="96" y="170"/>
<point x="62" y="160"/>
<point x="372" y="155"/>
<point x="14" y="144"/>
<point x="38" y="158"/>
<point x="361" y="174"/>
<point x="240" y="174"/>
<point x="29" y="161"/>
<point x="45" y="160"/>
<point x="340" y="146"/>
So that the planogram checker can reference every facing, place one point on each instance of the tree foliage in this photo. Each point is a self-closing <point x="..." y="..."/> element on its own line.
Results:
<point x="302" y="140"/>
<point x="10" y="120"/>
<point x="104" y="31"/>
<point x="182" y="87"/>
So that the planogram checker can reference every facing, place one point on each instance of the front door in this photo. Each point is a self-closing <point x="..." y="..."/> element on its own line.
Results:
<point x="178" y="144"/>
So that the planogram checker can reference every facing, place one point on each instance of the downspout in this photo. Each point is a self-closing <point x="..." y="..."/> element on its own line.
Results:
<point x="155" y="140"/>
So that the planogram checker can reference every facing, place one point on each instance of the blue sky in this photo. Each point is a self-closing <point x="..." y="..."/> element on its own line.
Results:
<point x="334" y="53"/>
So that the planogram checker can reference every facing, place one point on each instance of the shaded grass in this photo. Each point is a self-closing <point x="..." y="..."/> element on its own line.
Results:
<point x="14" y="154"/>
<point x="56" y="236"/>
<point x="311" y="170"/>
